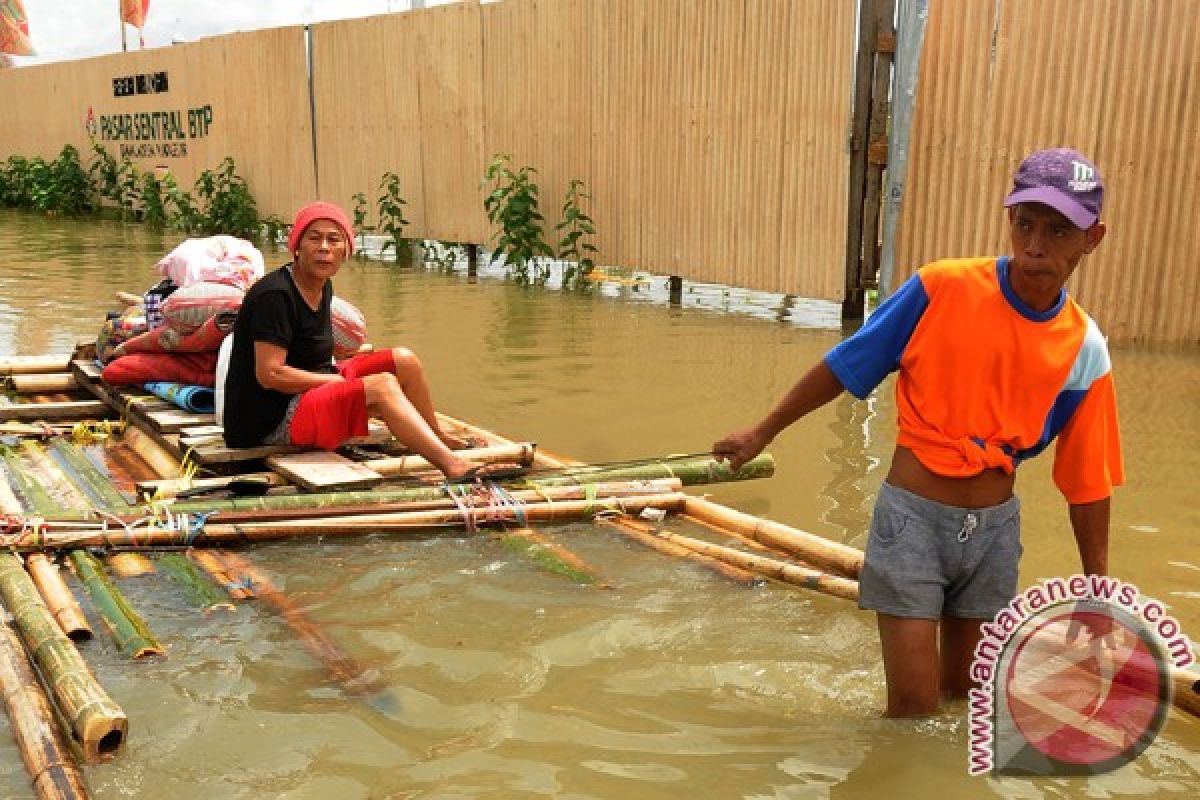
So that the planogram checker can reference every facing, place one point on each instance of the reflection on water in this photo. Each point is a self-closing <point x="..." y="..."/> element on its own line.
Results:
<point x="505" y="681"/>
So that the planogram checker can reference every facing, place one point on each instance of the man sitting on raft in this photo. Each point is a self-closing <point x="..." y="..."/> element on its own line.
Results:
<point x="283" y="388"/>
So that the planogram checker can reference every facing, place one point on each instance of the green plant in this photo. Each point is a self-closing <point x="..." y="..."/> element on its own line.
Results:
<point x="181" y="209"/>
<point x="575" y="225"/>
<point x="226" y="203"/>
<point x="512" y="206"/>
<point x="391" y="212"/>
<point x="115" y="180"/>
<point x="360" y="221"/>
<point x="274" y="229"/>
<point x="14" y="183"/>
<point x="154" y="210"/>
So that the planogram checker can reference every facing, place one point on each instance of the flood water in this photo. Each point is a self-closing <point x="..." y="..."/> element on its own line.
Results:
<point x="506" y="681"/>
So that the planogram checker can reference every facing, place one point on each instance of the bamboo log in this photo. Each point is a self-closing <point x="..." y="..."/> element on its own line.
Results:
<point x="619" y="524"/>
<point x="91" y="479"/>
<point x="821" y="553"/>
<point x="129" y="565"/>
<point x="521" y="453"/>
<point x="96" y="723"/>
<point x="46" y="755"/>
<point x="60" y="600"/>
<point x="30" y="365"/>
<point x="354" y="677"/>
<point x="419" y="498"/>
<point x="128" y="629"/>
<point x="155" y="455"/>
<point x="43" y="383"/>
<point x="198" y="588"/>
<point x="214" y="534"/>
<point x="692" y="471"/>
<point x="210" y="562"/>
<point x="549" y="556"/>
<point x="9" y="504"/>
<point x="733" y="573"/>
<point x="36" y="496"/>
<point x="834" y="585"/>
<point x="129" y="298"/>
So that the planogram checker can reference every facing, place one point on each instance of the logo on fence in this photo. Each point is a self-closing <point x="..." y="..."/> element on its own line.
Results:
<point x="1074" y="679"/>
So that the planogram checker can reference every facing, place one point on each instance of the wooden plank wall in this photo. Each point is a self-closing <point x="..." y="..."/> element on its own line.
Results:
<point x="1114" y="78"/>
<point x="254" y="83"/>
<point x="711" y="133"/>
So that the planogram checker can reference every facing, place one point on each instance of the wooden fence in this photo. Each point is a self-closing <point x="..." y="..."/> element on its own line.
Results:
<point x="713" y="135"/>
<point x="1116" y="79"/>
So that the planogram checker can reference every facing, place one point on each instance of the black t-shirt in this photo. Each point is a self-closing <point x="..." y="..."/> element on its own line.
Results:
<point x="273" y="311"/>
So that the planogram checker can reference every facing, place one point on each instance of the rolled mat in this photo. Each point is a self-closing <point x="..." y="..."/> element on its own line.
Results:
<point x="197" y="399"/>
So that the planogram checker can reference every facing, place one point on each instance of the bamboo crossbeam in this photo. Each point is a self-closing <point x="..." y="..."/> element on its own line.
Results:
<point x="327" y="504"/>
<point x="46" y="754"/>
<point x="59" y="598"/>
<point x="30" y="365"/>
<point x="97" y="724"/>
<point x="521" y="453"/>
<point x="692" y="471"/>
<point x="822" y="553"/>
<point x="1187" y="691"/>
<point x="128" y="629"/>
<point x="43" y="383"/>
<point x="353" y="677"/>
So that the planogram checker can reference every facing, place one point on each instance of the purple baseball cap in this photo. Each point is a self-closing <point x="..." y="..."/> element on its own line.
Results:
<point x="1064" y="179"/>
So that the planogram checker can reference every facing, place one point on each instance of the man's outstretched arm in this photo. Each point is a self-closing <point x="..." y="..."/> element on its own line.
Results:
<point x="816" y="388"/>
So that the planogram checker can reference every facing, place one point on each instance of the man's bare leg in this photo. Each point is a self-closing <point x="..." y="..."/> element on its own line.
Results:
<point x="959" y="637"/>
<point x="385" y="399"/>
<point x="410" y="373"/>
<point x="910" y="662"/>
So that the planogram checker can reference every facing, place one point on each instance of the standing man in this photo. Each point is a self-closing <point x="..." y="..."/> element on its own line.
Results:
<point x="282" y="386"/>
<point x="994" y="361"/>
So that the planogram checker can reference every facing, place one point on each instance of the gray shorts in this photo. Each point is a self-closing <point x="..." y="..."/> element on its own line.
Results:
<point x="926" y="560"/>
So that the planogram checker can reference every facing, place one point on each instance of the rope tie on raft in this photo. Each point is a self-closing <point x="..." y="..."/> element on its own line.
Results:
<point x="20" y="530"/>
<point x="486" y="503"/>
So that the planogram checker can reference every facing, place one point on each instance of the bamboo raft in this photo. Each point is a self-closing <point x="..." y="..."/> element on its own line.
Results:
<point x="98" y="478"/>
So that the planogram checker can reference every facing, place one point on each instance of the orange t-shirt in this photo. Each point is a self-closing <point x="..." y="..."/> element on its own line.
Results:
<point x="985" y="381"/>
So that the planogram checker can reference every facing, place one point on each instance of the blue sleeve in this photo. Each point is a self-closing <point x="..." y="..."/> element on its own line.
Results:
<point x="865" y="359"/>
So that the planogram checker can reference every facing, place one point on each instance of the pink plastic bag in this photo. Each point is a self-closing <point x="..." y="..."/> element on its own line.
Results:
<point x="217" y="259"/>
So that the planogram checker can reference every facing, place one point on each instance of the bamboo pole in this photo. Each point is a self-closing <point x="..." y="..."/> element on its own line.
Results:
<point x="36" y="496"/>
<point x="281" y="507"/>
<point x="93" y="481"/>
<point x="692" y="471"/>
<point x="550" y="556"/>
<point x="30" y="365"/>
<point x="354" y="677"/>
<point x="129" y="565"/>
<point x="43" y="383"/>
<point x="210" y="562"/>
<point x="128" y="629"/>
<point x="46" y="755"/>
<point x="97" y="724"/>
<point x="215" y="534"/>
<point x="128" y="298"/>
<point x="821" y="553"/>
<point x="199" y="589"/>
<point x="833" y="585"/>
<point x="521" y="453"/>
<point x="155" y="455"/>
<point x="59" y="598"/>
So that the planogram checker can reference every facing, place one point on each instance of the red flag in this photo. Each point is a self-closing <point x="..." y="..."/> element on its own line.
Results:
<point x="14" y="29"/>
<point x="134" y="12"/>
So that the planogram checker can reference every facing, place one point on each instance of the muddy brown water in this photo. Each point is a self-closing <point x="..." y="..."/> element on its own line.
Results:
<point x="504" y="681"/>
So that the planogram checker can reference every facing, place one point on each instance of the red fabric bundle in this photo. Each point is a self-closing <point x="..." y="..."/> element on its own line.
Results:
<point x="165" y="339"/>
<point x="197" y="369"/>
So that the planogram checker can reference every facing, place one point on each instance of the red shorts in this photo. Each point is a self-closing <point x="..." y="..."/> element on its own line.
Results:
<point x="329" y="415"/>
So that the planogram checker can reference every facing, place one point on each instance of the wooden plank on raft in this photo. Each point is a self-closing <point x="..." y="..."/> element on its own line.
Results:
<point x="73" y="410"/>
<point x="321" y="471"/>
<point x="173" y="420"/>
